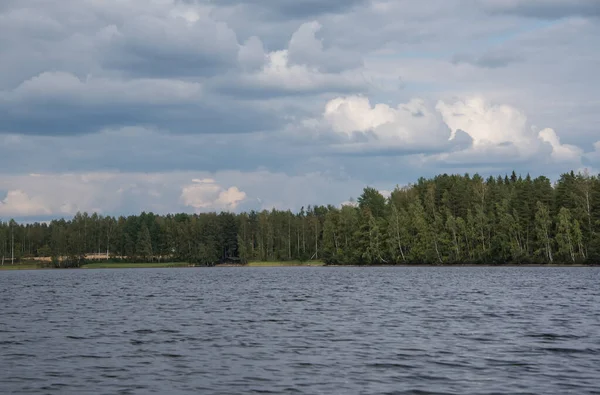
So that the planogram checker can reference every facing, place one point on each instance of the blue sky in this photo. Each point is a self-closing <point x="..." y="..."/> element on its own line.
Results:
<point x="119" y="106"/>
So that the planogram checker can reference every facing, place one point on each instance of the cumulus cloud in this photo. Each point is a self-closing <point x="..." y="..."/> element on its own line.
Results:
<point x="306" y="49"/>
<point x="53" y="195"/>
<point x="57" y="194"/>
<point x="304" y="67"/>
<point x="164" y="65"/>
<point x="205" y="194"/>
<point x="329" y="96"/>
<point x="18" y="203"/>
<point x="486" y="123"/>
<point x="501" y="132"/>
<point x="471" y="130"/>
<point x="560" y="152"/>
<point x="409" y="126"/>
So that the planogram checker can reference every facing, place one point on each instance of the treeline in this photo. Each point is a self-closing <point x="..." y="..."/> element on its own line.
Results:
<point x="450" y="219"/>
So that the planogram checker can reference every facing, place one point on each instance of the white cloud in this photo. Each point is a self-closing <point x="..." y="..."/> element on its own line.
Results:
<point x="117" y="193"/>
<point x="411" y="125"/>
<point x="59" y="194"/>
<point x="206" y="194"/>
<point x="486" y="124"/>
<point x="560" y="152"/>
<point x="18" y="203"/>
<point x="470" y="131"/>
<point x="179" y="68"/>
<point x="355" y="114"/>
<point x="504" y="130"/>
<point x="305" y="66"/>
<point x="279" y="74"/>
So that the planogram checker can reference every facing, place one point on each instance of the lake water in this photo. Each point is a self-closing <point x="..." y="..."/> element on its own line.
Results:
<point x="301" y="330"/>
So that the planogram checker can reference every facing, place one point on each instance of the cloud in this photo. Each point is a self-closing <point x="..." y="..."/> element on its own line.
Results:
<point x="490" y="59"/>
<point x="560" y="152"/>
<point x="411" y="126"/>
<point x="547" y="9"/>
<point x="59" y="103"/>
<point x="51" y="195"/>
<point x="305" y="67"/>
<point x="485" y="123"/>
<point x="295" y="9"/>
<point x="251" y="55"/>
<point x="279" y="77"/>
<point x="594" y="156"/>
<point x="185" y="43"/>
<point x="207" y="194"/>
<point x="18" y="203"/>
<point x="306" y="49"/>
<point x="290" y="102"/>
<point x="501" y="132"/>
<point x="469" y="131"/>
<point x="62" y="86"/>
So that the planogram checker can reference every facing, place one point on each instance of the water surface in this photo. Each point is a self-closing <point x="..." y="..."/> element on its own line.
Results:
<point x="301" y="330"/>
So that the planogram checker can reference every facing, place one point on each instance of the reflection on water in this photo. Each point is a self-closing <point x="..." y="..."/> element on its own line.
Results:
<point x="301" y="330"/>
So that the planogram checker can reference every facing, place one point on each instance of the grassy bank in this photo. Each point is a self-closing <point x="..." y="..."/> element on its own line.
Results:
<point x="127" y="265"/>
<point x="20" y="266"/>
<point x="285" y="263"/>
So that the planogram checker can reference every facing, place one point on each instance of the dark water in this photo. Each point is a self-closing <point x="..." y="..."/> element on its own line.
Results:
<point x="301" y="330"/>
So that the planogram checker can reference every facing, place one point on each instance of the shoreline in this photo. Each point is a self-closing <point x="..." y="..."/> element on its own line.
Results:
<point x="179" y="265"/>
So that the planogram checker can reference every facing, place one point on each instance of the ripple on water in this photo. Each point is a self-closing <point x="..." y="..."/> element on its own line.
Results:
<point x="301" y="330"/>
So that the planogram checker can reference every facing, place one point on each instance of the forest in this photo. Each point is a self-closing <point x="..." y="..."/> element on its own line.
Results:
<point x="445" y="220"/>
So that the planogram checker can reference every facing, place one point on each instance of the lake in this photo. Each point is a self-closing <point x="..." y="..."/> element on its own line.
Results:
<point x="303" y="330"/>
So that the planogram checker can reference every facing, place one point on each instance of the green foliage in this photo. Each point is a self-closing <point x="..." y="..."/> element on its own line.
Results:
<point x="449" y="219"/>
<point x="372" y="200"/>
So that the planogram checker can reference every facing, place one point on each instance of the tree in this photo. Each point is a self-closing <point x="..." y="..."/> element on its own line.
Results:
<point x="372" y="200"/>
<point x="332" y="242"/>
<point x="143" y="247"/>
<point x="445" y="219"/>
<point x="543" y="223"/>
<point x="398" y="237"/>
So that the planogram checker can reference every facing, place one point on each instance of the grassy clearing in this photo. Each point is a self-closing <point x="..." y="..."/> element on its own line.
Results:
<point x="127" y="265"/>
<point x="285" y="263"/>
<point x="20" y="266"/>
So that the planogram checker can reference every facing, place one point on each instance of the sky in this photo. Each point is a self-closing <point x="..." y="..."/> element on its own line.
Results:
<point x="123" y="106"/>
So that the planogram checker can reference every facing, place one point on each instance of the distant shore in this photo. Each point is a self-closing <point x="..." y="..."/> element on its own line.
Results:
<point x="98" y="265"/>
<point x="180" y="265"/>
